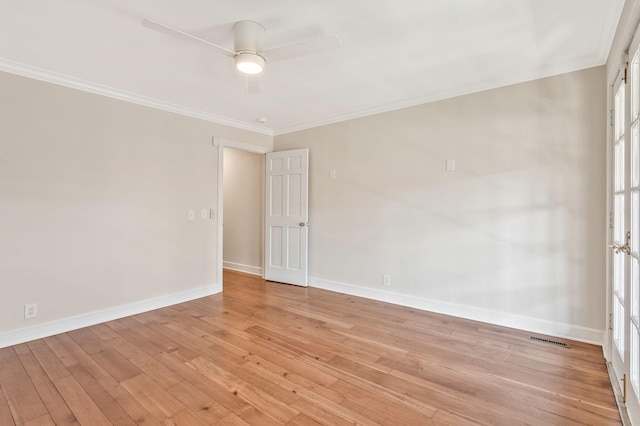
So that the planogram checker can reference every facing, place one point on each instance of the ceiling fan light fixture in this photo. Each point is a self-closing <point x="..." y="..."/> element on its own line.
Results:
<point x="249" y="63"/>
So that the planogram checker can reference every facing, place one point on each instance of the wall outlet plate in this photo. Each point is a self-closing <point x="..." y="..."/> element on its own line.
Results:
<point x="30" y="310"/>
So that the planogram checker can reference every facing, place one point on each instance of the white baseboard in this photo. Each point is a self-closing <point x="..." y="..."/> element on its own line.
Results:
<point x="14" y="337"/>
<point x="534" y="325"/>
<point x="255" y="270"/>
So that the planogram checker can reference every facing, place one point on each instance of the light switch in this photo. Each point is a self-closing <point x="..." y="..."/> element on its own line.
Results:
<point x="451" y="165"/>
<point x="204" y="214"/>
<point x="333" y="174"/>
<point x="192" y="214"/>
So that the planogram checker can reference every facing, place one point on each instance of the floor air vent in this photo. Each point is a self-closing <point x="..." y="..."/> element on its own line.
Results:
<point x="551" y="342"/>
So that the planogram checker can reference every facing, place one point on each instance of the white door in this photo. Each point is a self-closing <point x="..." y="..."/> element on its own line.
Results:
<point x="619" y="353"/>
<point x="286" y="216"/>
<point x="625" y="235"/>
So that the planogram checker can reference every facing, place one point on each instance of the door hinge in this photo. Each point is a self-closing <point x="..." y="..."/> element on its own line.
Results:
<point x="612" y="118"/>
<point x="610" y="320"/>
<point x="611" y="219"/>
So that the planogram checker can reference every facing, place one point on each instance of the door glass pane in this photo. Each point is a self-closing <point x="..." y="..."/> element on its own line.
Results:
<point x="618" y="326"/>
<point x="619" y="167"/>
<point x="635" y="290"/>
<point x="635" y="359"/>
<point x="634" y="86"/>
<point x="618" y="219"/>
<point x="619" y="112"/>
<point x="618" y="276"/>
<point x="635" y="155"/>
<point x="635" y="219"/>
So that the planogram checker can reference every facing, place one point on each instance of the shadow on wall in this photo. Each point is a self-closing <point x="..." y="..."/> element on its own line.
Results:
<point x="517" y="228"/>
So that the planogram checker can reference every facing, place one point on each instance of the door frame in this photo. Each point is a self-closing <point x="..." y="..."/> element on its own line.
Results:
<point x="221" y="144"/>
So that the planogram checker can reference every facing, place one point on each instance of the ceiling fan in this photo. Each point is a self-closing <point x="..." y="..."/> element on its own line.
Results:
<point x="248" y="54"/>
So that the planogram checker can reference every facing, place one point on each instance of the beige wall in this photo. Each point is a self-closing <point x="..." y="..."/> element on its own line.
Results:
<point x="94" y="201"/>
<point x="514" y="236"/>
<point x="243" y="204"/>
<point x="94" y="195"/>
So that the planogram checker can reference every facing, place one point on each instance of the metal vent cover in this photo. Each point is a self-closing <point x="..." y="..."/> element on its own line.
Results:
<point x="552" y="342"/>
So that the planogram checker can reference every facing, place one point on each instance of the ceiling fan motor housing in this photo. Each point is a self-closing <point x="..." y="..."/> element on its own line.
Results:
<point x="248" y="37"/>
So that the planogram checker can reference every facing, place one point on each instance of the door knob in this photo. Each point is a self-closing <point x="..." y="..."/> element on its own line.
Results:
<point x="303" y="224"/>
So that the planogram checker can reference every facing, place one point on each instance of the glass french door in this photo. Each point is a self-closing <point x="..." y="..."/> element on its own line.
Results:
<point x="625" y="235"/>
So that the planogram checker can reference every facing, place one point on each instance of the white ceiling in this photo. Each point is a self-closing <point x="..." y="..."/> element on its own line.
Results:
<point x="394" y="53"/>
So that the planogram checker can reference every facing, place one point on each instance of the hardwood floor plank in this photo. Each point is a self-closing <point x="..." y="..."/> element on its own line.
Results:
<point x="220" y="394"/>
<point x="491" y="391"/>
<point x="386" y="411"/>
<point x="79" y="354"/>
<point x="261" y="400"/>
<point x="129" y="404"/>
<point x="266" y="351"/>
<point x="6" y="419"/>
<point x="445" y="418"/>
<point x="263" y="353"/>
<point x="152" y="397"/>
<point x="80" y="403"/>
<point x="233" y="420"/>
<point x="199" y="402"/>
<point x="129" y="330"/>
<point x="20" y="395"/>
<point x="303" y="420"/>
<point x="321" y="414"/>
<point x="45" y="420"/>
<point x="108" y="405"/>
<point x="295" y="383"/>
<point x="58" y="411"/>
<point x="131" y="350"/>
<point x="64" y="355"/>
<point x="49" y="361"/>
<point x="186" y="417"/>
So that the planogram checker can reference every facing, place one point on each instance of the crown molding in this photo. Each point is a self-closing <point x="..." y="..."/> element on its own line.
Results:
<point x="86" y="86"/>
<point x="36" y="73"/>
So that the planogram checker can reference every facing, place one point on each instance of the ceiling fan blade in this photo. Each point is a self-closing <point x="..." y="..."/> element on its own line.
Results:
<point x="253" y="84"/>
<point x="156" y="26"/>
<point x="304" y="48"/>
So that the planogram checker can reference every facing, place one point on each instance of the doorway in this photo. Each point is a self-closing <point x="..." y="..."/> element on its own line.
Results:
<point x="223" y="145"/>
<point x="239" y="219"/>
<point x="243" y="192"/>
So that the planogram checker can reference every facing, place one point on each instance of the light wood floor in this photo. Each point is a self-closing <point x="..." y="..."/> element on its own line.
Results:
<point x="265" y="354"/>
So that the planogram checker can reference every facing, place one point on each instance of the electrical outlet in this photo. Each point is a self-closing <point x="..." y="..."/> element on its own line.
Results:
<point x="30" y="310"/>
<point x="386" y="280"/>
